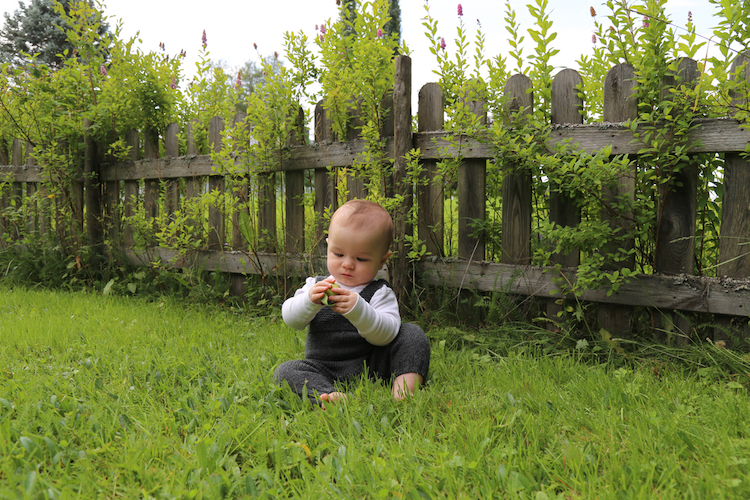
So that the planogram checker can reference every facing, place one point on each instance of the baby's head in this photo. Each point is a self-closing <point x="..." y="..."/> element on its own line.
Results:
<point x="359" y="240"/>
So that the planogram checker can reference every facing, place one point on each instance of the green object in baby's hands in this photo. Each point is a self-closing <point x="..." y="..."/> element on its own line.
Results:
<point x="328" y="293"/>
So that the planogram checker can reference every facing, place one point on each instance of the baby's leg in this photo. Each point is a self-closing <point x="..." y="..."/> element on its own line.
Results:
<point x="307" y="375"/>
<point x="406" y="385"/>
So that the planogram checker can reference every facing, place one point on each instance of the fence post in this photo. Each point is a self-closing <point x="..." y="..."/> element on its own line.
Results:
<point x="130" y="188"/>
<point x="386" y="130"/>
<point x="567" y="104"/>
<point x="734" y="243"/>
<point x="402" y="144"/>
<point x="619" y="105"/>
<point x="430" y="193"/>
<point x="354" y="182"/>
<point x="216" y="183"/>
<point x="678" y="193"/>
<point x="295" y="193"/>
<point x="516" y="188"/>
<point x="92" y="191"/>
<point x="325" y="184"/>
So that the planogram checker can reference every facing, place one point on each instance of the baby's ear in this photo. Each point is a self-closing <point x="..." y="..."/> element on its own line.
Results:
<point x="385" y="257"/>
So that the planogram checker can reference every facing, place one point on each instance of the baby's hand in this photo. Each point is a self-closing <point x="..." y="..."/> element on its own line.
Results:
<point x="342" y="301"/>
<point x="318" y="290"/>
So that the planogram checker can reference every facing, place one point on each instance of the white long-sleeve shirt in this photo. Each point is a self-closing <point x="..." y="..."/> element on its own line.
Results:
<point x="378" y="321"/>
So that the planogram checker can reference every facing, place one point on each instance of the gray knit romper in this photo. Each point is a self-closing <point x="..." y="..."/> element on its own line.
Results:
<point x="336" y="352"/>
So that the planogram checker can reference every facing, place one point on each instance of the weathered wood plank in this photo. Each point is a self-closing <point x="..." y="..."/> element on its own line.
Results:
<point x="516" y="188"/>
<point x="430" y="193"/>
<point x="678" y="194"/>
<point x="710" y="135"/>
<point x="686" y="293"/>
<point x="325" y="187"/>
<point x="294" y="181"/>
<point x="399" y="266"/>
<point x="703" y="295"/>
<point x="620" y="104"/>
<point x="216" y="183"/>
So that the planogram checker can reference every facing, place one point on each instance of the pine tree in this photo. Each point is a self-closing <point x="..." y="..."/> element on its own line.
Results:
<point x="37" y="28"/>
<point x="393" y="26"/>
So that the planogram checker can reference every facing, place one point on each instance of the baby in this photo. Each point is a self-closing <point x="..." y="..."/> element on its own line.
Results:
<point x="362" y="326"/>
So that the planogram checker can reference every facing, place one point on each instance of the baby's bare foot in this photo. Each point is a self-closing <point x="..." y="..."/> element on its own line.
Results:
<point x="332" y="397"/>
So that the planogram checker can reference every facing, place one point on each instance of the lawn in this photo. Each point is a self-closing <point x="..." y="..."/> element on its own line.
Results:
<point x="113" y="397"/>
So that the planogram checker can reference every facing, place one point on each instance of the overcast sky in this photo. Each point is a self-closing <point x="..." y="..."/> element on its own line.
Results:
<point x="233" y="26"/>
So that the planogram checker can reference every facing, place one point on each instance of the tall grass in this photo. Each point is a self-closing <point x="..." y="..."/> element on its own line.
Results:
<point x="107" y="397"/>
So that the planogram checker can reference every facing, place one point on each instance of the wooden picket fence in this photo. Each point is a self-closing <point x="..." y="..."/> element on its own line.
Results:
<point x="145" y="180"/>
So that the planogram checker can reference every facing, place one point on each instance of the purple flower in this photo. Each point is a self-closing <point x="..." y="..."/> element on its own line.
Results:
<point x="321" y="38"/>
<point x="173" y="85"/>
<point x="460" y="10"/>
<point x="255" y="46"/>
<point x="204" y="40"/>
<point x="442" y="43"/>
<point x="380" y="33"/>
<point x="593" y="38"/>
<point x="323" y="28"/>
<point x="238" y="81"/>
<point x="646" y="24"/>
<point x="103" y="70"/>
<point x="690" y="16"/>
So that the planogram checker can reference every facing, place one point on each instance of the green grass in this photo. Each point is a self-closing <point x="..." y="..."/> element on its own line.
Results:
<point x="109" y="397"/>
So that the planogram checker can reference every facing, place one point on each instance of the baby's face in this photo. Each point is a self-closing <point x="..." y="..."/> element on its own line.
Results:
<point x="354" y="256"/>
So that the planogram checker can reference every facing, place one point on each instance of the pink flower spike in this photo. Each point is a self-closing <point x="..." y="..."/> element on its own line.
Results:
<point x="103" y="70"/>
<point x="255" y="46"/>
<point x="238" y="81"/>
<point x="173" y="85"/>
<point x="593" y="38"/>
<point x="442" y="43"/>
<point x="204" y="39"/>
<point x="460" y="10"/>
<point x="323" y="29"/>
<point x="380" y="33"/>
<point x="321" y="38"/>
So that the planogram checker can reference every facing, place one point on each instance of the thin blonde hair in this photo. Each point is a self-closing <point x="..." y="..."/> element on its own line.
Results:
<point x="365" y="214"/>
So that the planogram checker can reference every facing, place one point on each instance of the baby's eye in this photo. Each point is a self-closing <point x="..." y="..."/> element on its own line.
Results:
<point x="362" y="259"/>
<point x="338" y="254"/>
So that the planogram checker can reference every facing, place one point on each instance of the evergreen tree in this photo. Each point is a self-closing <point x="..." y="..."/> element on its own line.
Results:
<point x="37" y="28"/>
<point x="393" y="26"/>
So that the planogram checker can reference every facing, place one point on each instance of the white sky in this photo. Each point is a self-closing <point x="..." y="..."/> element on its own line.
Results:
<point x="232" y="26"/>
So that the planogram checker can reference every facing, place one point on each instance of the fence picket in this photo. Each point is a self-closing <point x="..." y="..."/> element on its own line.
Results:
<point x="325" y="185"/>
<point x="678" y="192"/>
<point x="431" y="194"/>
<point x="619" y="105"/>
<point x="216" y="184"/>
<point x="566" y="107"/>
<point x="294" y="181"/>
<point x="734" y="246"/>
<point x="172" y="186"/>
<point x="516" y="188"/>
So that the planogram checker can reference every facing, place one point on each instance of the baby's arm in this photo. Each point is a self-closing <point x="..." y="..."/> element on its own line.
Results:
<point x="300" y="309"/>
<point x="379" y="320"/>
